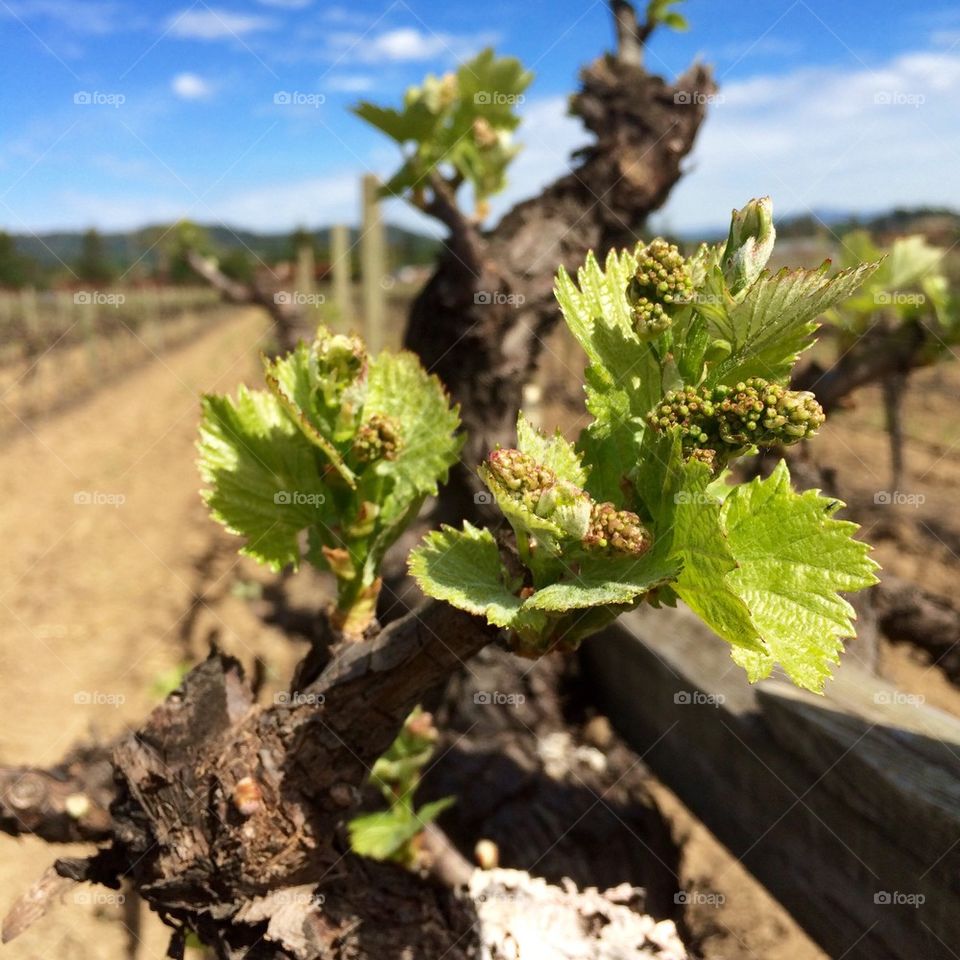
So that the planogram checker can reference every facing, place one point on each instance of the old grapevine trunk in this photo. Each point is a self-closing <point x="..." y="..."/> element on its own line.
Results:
<point x="228" y="815"/>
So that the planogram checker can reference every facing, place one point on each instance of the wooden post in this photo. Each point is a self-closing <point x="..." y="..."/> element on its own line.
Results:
<point x="89" y="312"/>
<point x="303" y="278"/>
<point x="341" y="260"/>
<point x="373" y="264"/>
<point x="34" y="342"/>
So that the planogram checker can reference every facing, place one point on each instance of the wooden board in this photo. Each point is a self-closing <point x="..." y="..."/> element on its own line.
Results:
<point x="846" y="806"/>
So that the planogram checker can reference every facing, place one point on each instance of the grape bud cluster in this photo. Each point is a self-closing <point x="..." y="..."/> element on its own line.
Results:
<point x="521" y="477"/>
<point x="661" y="283"/>
<point x="617" y="531"/>
<point x="377" y="439"/>
<point x="538" y="489"/>
<point x="714" y="421"/>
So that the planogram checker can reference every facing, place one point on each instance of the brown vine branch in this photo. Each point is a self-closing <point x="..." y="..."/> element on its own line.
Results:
<point x="67" y="803"/>
<point x="285" y="314"/>
<point x="631" y="35"/>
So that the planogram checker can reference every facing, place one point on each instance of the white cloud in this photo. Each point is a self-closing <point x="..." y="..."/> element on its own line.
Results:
<point x="405" y="45"/>
<point x="281" y="205"/>
<point x="93" y="17"/>
<point x="814" y="138"/>
<point x="188" y="86"/>
<point x="350" y="83"/>
<point x="216" y="24"/>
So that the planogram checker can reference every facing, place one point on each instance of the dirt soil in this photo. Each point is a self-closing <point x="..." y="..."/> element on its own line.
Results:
<point x="113" y="576"/>
<point x="915" y="530"/>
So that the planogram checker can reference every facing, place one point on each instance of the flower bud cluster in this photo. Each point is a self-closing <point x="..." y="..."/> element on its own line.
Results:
<point x="377" y="439"/>
<point x="618" y="531"/>
<point x="539" y="490"/>
<point x="662" y="282"/>
<point x="521" y="477"/>
<point x="754" y="412"/>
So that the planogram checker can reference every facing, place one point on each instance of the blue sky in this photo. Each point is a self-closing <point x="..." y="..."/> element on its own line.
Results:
<point x="849" y="105"/>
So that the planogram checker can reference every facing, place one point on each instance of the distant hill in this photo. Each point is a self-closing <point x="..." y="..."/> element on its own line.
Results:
<point x="939" y="224"/>
<point x="122" y="249"/>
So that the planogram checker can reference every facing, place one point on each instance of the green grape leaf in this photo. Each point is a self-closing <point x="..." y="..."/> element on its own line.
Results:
<point x="463" y="567"/>
<point x="708" y="561"/>
<point x="263" y="475"/>
<point x="291" y="380"/>
<point x="623" y="380"/>
<point x="415" y="122"/>
<point x="430" y="811"/>
<point x="793" y="560"/>
<point x="382" y="835"/>
<point x="555" y="453"/>
<point x="489" y="87"/>
<point x="398" y="387"/>
<point x="604" y="580"/>
<point x="774" y="322"/>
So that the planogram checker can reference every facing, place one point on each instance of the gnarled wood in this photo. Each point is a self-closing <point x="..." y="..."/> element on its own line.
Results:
<point x="66" y="803"/>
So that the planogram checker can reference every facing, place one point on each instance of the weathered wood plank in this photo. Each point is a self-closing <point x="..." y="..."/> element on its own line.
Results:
<point x="847" y="806"/>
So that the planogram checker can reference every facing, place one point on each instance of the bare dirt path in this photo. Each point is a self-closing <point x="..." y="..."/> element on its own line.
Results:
<point x="102" y="528"/>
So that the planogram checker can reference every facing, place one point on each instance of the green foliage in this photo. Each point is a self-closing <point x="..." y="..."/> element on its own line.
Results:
<point x="391" y="834"/>
<point x="341" y="446"/>
<point x="93" y="265"/>
<point x="640" y="508"/>
<point x="793" y="561"/>
<point x="462" y="121"/>
<point x="238" y="265"/>
<point x="661" y="11"/>
<point x="16" y="271"/>
<point x="176" y="243"/>
<point x="908" y="288"/>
